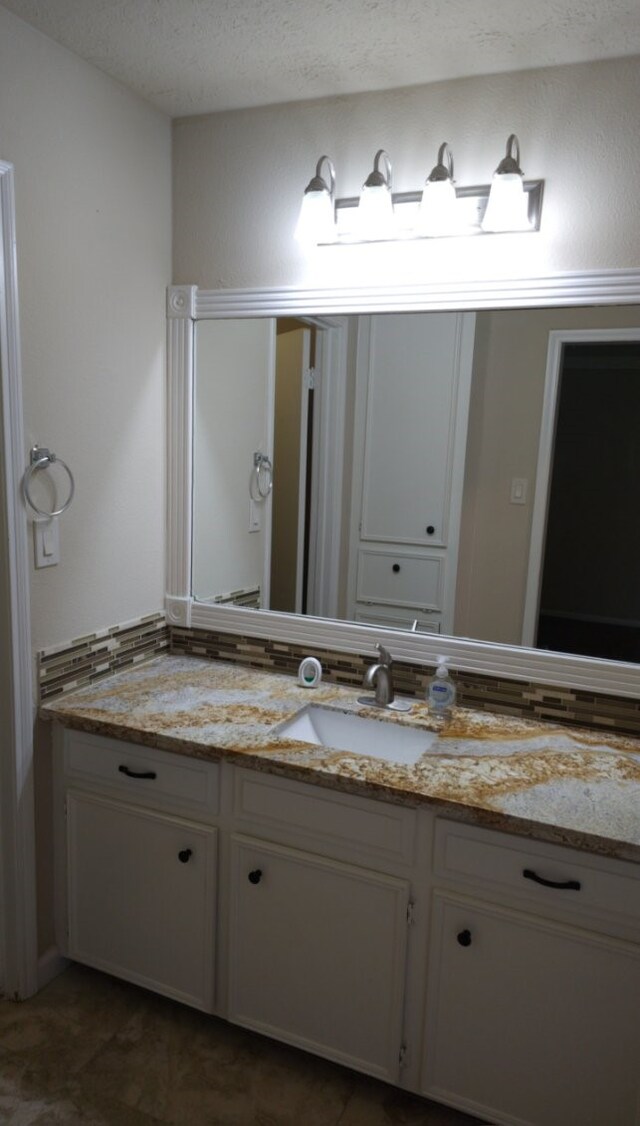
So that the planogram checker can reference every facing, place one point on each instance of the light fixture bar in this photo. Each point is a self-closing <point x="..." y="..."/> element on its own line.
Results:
<point x="471" y="204"/>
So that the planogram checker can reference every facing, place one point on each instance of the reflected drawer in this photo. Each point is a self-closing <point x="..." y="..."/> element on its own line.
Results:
<point x="142" y="774"/>
<point x="397" y="619"/>
<point x="559" y="879"/>
<point x="400" y="578"/>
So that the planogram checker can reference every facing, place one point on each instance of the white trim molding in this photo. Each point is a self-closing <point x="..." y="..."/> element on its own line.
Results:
<point x="613" y="287"/>
<point x="17" y="823"/>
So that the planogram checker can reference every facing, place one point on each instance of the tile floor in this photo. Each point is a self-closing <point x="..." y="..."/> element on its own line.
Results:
<point x="95" y="1051"/>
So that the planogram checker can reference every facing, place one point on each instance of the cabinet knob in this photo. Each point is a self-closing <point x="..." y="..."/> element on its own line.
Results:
<point x="255" y="876"/>
<point x="464" y="938"/>
<point x="430" y="529"/>
<point x="185" y="855"/>
<point x="395" y="568"/>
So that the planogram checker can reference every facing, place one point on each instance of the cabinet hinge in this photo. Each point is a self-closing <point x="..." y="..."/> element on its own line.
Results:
<point x="411" y="908"/>
<point x="310" y="379"/>
<point x="402" y="1055"/>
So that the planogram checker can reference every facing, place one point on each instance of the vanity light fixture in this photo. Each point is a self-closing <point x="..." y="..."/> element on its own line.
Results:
<point x="438" y="214"/>
<point x="316" y="222"/>
<point x="375" y="209"/>
<point x="507" y="209"/>
<point x="509" y="203"/>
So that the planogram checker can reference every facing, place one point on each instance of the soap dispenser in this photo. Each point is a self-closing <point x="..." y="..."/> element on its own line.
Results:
<point x="441" y="691"/>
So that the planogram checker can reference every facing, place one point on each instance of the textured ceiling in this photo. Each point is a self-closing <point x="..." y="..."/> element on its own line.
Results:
<point x="199" y="56"/>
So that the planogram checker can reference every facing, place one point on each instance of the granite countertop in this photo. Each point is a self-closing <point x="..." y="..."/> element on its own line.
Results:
<point x="562" y="784"/>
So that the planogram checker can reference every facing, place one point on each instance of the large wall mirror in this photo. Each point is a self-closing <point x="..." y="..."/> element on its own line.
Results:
<point x="440" y="474"/>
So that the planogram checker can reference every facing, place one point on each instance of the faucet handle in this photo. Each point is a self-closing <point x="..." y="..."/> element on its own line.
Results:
<point x="385" y="655"/>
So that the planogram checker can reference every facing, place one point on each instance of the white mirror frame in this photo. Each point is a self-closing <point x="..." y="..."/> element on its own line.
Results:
<point x="188" y="304"/>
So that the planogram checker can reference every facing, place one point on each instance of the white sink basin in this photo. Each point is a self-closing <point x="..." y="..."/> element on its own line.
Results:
<point x="362" y="736"/>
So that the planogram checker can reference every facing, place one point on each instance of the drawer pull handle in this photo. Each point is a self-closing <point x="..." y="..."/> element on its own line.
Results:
<point x="563" y="885"/>
<point x="185" y="855"/>
<point x="430" y="529"/>
<point x="395" y="568"/>
<point x="255" y="876"/>
<point x="137" y="774"/>
<point x="464" y="938"/>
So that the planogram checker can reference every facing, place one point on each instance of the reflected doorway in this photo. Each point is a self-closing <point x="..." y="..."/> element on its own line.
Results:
<point x="589" y="600"/>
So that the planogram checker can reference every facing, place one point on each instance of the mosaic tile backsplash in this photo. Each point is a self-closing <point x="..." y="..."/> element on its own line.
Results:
<point x="484" y="693"/>
<point x="84" y="660"/>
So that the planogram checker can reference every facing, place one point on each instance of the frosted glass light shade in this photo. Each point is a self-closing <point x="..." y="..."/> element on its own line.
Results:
<point x="507" y="207"/>
<point x="437" y="214"/>
<point x="316" y="222"/>
<point x="376" y="219"/>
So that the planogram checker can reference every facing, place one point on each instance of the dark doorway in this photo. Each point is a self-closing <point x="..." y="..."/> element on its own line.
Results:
<point x="590" y="591"/>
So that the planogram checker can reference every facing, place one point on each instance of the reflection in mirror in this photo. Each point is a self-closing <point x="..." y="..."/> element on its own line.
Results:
<point x="448" y="520"/>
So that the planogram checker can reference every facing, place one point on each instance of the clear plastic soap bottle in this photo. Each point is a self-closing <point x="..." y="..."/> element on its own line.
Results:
<point x="441" y="692"/>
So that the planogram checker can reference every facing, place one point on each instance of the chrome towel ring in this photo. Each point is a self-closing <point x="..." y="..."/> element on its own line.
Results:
<point x="42" y="458"/>
<point x="261" y="482"/>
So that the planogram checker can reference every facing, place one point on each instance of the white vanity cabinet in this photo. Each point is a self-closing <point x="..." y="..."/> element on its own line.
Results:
<point x="137" y="886"/>
<point x="533" y="988"/>
<point x="317" y="954"/>
<point x="319" y="914"/>
<point x="484" y="970"/>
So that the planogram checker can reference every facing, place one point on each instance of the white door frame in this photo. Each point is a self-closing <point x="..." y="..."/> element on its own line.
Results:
<point x="327" y="469"/>
<point x="303" y="427"/>
<point x="18" y="934"/>
<point x="557" y="340"/>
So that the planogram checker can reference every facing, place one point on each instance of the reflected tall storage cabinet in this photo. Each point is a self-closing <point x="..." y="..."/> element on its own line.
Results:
<point x="413" y="382"/>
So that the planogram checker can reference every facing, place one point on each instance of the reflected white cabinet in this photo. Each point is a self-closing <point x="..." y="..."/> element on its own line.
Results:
<point x="317" y="954"/>
<point x="141" y="896"/>
<point x="413" y="380"/>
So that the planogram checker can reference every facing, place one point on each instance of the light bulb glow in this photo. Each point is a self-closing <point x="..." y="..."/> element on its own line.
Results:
<point x="316" y="222"/>
<point x="438" y="213"/>
<point x="507" y="208"/>
<point x="376" y="219"/>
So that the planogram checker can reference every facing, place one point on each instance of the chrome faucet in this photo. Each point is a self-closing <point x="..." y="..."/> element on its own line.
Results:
<point x="380" y="677"/>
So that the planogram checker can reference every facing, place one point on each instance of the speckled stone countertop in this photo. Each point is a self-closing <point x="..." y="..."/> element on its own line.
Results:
<point x="574" y="787"/>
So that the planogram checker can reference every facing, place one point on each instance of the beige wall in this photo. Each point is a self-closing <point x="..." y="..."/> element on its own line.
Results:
<point x="239" y="177"/>
<point x="93" y="214"/>
<point x="504" y="428"/>
<point x="93" y="200"/>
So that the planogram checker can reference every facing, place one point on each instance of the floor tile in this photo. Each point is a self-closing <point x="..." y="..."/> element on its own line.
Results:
<point x="92" y="1051"/>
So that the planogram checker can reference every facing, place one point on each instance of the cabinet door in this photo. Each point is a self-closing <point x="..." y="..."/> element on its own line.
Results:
<point x="141" y="896"/>
<point x="530" y="1023"/>
<point x="317" y="954"/>
<point x="413" y="391"/>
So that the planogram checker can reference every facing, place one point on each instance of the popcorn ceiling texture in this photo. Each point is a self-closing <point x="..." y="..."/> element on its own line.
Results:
<point x="188" y="57"/>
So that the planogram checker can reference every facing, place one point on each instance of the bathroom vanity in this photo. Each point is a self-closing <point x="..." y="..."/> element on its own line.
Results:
<point x="466" y="926"/>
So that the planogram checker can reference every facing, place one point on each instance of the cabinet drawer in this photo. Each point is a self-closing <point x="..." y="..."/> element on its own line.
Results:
<point x="142" y="774"/>
<point x="397" y="619"/>
<point x="400" y="578"/>
<point x="502" y="862"/>
<point x="338" y="824"/>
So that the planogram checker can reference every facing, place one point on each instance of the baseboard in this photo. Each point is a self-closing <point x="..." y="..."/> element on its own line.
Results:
<point x="50" y="964"/>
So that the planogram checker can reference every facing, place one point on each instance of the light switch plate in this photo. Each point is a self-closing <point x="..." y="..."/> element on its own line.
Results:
<point x="254" y="516"/>
<point x="519" y="490"/>
<point x="46" y="542"/>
